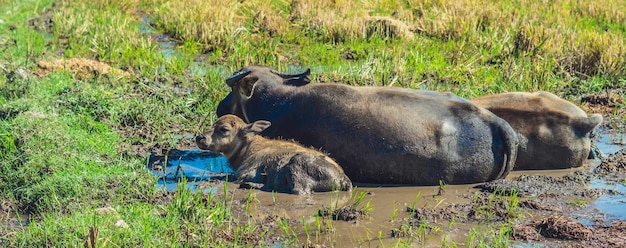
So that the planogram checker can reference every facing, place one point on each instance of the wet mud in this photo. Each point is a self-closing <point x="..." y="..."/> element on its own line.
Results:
<point x="44" y="22"/>
<point x="569" y="233"/>
<point x="346" y="213"/>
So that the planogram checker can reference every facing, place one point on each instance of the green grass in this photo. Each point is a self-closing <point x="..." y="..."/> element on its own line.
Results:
<point x="188" y="218"/>
<point x="64" y="153"/>
<point x="68" y="142"/>
<point x="491" y="236"/>
<point x="578" y="203"/>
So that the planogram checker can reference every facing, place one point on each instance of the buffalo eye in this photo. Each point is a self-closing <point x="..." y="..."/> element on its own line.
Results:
<point x="223" y="130"/>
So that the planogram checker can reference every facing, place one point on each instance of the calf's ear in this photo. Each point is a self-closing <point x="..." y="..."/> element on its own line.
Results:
<point x="255" y="128"/>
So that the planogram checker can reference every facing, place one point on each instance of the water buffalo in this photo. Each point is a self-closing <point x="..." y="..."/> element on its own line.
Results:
<point x="553" y="133"/>
<point x="382" y="135"/>
<point x="272" y="165"/>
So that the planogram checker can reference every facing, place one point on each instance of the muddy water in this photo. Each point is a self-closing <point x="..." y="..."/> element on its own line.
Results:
<point x="167" y="48"/>
<point x="613" y="204"/>
<point x="388" y="210"/>
<point x="388" y="205"/>
<point x="610" y="142"/>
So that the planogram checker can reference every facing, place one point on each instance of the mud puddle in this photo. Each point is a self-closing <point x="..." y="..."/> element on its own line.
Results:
<point x="613" y="203"/>
<point x="385" y="209"/>
<point x="166" y="43"/>
<point x="587" y="199"/>
<point x="13" y="220"/>
<point x="609" y="142"/>
<point x="167" y="47"/>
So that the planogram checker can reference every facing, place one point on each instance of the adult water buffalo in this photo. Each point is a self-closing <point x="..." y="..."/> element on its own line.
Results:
<point x="553" y="133"/>
<point x="382" y="135"/>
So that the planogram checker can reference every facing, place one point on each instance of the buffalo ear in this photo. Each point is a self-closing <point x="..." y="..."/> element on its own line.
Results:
<point x="230" y="81"/>
<point x="255" y="128"/>
<point x="298" y="79"/>
<point x="237" y="83"/>
<point x="584" y="125"/>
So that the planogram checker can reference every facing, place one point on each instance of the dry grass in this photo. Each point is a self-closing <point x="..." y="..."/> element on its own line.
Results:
<point x="330" y="20"/>
<point x="102" y="32"/>
<point x="217" y="22"/>
<point x="386" y="27"/>
<point x="79" y="67"/>
<point x="452" y="19"/>
<point x="212" y="22"/>
<point x="583" y="37"/>
<point x="590" y="53"/>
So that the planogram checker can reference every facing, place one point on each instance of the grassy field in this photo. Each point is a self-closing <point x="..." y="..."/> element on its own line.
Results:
<point x="75" y="138"/>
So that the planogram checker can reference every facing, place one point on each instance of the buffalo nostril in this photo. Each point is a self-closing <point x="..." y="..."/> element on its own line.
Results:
<point x="200" y="138"/>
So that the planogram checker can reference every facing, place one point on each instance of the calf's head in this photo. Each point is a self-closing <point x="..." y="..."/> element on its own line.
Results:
<point x="244" y="81"/>
<point x="229" y="134"/>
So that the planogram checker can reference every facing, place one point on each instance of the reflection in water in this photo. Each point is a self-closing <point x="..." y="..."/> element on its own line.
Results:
<point x="609" y="142"/>
<point x="613" y="204"/>
<point x="195" y="166"/>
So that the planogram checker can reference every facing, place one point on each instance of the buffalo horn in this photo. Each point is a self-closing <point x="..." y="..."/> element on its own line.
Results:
<point x="237" y="76"/>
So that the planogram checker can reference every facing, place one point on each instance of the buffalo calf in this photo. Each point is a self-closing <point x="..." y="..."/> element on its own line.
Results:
<point x="276" y="165"/>
<point x="553" y="133"/>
